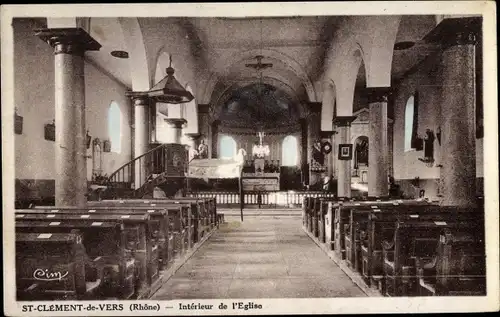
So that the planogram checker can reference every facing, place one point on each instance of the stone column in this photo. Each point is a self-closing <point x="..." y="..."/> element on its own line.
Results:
<point x="70" y="149"/>
<point x="313" y="134"/>
<point x="344" y="166"/>
<point x="175" y="127"/>
<point x="377" y="142"/>
<point x="215" y="138"/>
<point x="141" y="137"/>
<point x="458" y="139"/>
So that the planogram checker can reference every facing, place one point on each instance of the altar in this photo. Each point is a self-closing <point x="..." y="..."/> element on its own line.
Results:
<point x="262" y="176"/>
<point x="261" y="181"/>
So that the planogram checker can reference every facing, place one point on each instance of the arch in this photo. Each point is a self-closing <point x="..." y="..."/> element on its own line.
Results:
<point x="225" y="93"/>
<point x="379" y="48"/>
<point x="290" y="151"/>
<point x="409" y="123"/>
<point x="190" y="113"/>
<point x="346" y="81"/>
<point x="163" y="58"/>
<point x="139" y="63"/>
<point x="227" y="147"/>
<point x="328" y="106"/>
<point x="244" y="55"/>
<point x="115" y="126"/>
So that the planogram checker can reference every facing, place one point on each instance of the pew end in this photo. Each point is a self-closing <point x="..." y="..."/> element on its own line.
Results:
<point x="54" y="266"/>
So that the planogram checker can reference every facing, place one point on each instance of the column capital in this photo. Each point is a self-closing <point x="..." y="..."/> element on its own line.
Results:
<point x="192" y="136"/>
<point x="138" y="97"/>
<point x="314" y="107"/>
<point x="343" y="121"/>
<point x="378" y="94"/>
<point x="73" y="41"/>
<point x="326" y="134"/>
<point x="203" y="108"/>
<point x="456" y="31"/>
<point x="176" y="122"/>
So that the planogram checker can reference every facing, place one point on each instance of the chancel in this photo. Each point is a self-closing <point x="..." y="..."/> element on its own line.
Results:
<point x="247" y="157"/>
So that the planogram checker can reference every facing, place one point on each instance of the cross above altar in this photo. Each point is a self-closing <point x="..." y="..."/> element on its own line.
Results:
<point x="260" y="150"/>
<point x="261" y="136"/>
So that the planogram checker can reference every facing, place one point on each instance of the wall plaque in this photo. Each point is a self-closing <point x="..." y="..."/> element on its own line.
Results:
<point x="345" y="151"/>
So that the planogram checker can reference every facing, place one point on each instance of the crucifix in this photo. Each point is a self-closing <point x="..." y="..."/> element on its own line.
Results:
<point x="261" y="136"/>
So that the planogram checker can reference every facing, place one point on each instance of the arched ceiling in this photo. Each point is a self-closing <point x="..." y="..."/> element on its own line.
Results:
<point x="412" y="29"/>
<point x="258" y="105"/>
<point x="109" y="33"/>
<point x="221" y="47"/>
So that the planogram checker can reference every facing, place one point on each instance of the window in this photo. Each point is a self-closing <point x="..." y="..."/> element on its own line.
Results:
<point x="409" y="122"/>
<point x="227" y="147"/>
<point x="289" y="151"/>
<point x="115" y="127"/>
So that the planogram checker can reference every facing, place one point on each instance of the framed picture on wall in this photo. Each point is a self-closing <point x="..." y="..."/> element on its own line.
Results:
<point x="345" y="151"/>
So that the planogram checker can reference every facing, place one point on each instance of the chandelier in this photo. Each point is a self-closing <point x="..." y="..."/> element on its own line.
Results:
<point x="260" y="150"/>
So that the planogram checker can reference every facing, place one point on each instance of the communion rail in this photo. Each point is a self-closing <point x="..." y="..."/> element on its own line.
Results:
<point x="260" y="199"/>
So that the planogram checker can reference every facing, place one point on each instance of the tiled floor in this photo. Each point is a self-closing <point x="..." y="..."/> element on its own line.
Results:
<point x="262" y="257"/>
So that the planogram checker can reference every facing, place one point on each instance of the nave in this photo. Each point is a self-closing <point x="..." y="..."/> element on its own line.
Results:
<point x="130" y="189"/>
<point x="264" y="256"/>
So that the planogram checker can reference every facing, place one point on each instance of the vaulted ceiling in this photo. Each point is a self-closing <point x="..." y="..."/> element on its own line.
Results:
<point x="223" y="47"/>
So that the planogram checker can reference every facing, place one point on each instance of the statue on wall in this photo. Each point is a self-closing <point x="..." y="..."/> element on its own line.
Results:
<point x="429" y="144"/>
<point x="361" y="152"/>
<point x="96" y="157"/>
<point x="317" y="154"/>
<point x="202" y="150"/>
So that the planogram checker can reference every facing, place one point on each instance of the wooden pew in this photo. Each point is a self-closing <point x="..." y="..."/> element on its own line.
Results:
<point x="189" y="230"/>
<point x="106" y="246"/>
<point x="160" y="231"/>
<point x="457" y="268"/>
<point x="358" y="223"/>
<point x="381" y="227"/>
<point x="52" y="266"/>
<point x="208" y="207"/>
<point x="309" y="210"/>
<point x="322" y="216"/>
<point x="417" y="239"/>
<point x="206" y="210"/>
<point x="136" y="226"/>
<point x="203" y="211"/>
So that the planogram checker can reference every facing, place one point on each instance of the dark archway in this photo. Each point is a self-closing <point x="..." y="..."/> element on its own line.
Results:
<point x="259" y="105"/>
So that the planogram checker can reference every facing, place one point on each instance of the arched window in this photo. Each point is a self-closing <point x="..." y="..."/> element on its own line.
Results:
<point x="227" y="147"/>
<point x="409" y="122"/>
<point x="115" y="127"/>
<point x="289" y="151"/>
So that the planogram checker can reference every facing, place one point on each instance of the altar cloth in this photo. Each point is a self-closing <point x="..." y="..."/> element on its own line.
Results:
<point x="215" y="168"/>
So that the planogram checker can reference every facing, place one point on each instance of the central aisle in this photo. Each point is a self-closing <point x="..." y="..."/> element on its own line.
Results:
<point x="263" y="257"/>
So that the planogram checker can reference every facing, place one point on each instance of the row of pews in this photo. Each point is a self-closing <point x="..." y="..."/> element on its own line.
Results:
<point x="112" y="249"/>
<point x="403" y="247"/>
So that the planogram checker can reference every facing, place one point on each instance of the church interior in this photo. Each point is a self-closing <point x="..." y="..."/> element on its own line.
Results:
<point x="141" y="142"/>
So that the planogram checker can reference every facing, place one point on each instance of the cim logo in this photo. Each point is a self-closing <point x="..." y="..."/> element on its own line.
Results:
<point x="46" y="275"/>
